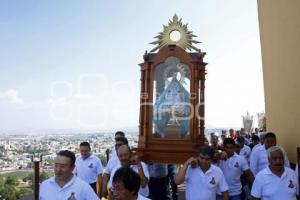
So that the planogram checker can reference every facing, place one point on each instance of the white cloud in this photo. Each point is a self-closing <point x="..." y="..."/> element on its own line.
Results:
<point x="11" y="96"/>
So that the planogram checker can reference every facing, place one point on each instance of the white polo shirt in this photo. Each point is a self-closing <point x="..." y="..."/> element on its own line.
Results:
<point x="112" y="163"/>
<point x="141" y="197"/>
<point x="204" y="186"/>
<point x="88" y="169"/>
<point x="268" y="186"/>
<point x="142" y="191"/>
<point x="245" y="151"/>
<point x="74" y="189"/>
<point x="257" y="145"/>
<point x="259" y="159"/>
<point x="232" y="169"/>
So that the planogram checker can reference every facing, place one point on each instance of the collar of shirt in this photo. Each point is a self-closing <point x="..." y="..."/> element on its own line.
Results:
<point x="208" y="171"/>
<point x="53" y="181"/>
<point x="88" y="158"/>
<point x="269" y="172"/>
<point x="234" y="155"/>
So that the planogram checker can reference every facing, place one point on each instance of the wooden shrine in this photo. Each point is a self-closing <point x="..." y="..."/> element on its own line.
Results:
<point x="171" y="125"/>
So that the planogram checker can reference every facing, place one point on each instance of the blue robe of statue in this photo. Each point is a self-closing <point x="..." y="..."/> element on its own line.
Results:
<point x="175" y="97"/>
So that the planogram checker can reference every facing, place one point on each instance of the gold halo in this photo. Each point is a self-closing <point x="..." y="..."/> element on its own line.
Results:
<point x="186" y="37"/>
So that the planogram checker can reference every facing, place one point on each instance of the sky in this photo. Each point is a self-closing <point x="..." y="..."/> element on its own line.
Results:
<point x="70" y="64"/>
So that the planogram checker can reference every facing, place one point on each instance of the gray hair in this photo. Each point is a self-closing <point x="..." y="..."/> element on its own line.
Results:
<point x="261" y="135"/>
<point x="275" y="148"/>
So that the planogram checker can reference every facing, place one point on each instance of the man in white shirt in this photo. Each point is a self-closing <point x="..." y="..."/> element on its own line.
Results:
<point x="64" y="185"/>
<point x="112" y="163"/>
<point x="118" y="134"/>
<point x="126" y="184"/>
<point x="233" y="166"/>
<point x="276" y="182"/>
<point x="259" y="157"/>
<point x="245" y="150"/>
<point x="132" y="161"/>
<point x="202" y="179"/>
<point x="88" y="167"/>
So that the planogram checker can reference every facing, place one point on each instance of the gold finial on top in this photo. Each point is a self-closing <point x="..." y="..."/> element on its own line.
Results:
<point x="175" y="33"/>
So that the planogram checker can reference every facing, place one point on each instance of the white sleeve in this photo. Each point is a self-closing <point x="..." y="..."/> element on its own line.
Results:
<point x="244" y="164"/>
<point x="99" y="167"/>
<point x="256" y="190"/>
<point x="109" y="167"/>
<point x="187" y="172"/>
<point x="248" y="153"/>
<point x="75" y="169"/>
<point x="223" y="187"/>
<point x="41" y="191"/>
<point x="253" y="162"/>
<point x="146" y="171"/>
<point x="89" y="193"/>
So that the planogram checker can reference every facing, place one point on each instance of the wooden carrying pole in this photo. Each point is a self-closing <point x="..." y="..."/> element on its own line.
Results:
<point x="36" y="179"/>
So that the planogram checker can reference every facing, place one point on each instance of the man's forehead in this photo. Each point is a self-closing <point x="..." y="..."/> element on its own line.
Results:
<point x="123" y="149"/>
<point x="118" y="183"/>
<point x="84" y="148"/>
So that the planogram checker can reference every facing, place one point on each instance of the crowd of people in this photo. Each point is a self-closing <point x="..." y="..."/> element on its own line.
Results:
<point x="237" y="166"/>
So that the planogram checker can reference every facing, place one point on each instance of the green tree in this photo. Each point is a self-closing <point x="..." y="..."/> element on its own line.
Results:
<point x="8" y="192"/>
<point x="44" y="176"/>
<point x="1" y="182"/>
<point x="12" y="180"/>
<point x="29" y="179"/>
<point x="23" y="192"/>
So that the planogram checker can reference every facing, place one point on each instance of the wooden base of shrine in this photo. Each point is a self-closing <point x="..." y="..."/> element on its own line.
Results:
<point x="167" y="150"/>
<point x="172" y="131"/>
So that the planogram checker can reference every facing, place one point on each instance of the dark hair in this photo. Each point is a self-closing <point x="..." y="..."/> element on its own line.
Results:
<point x="228" y="141"/>
<point x="85" y="144"/>
<point x="270" y="135"/>
<point x="68" y="154"/>
<point x="206" y="151"/>
<point x="122" y="139"/>
<point x="240" y="140"/>
<point x="255" y="138"/>
<point x="130" y="179"/>
<point x="120" y="133"/>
